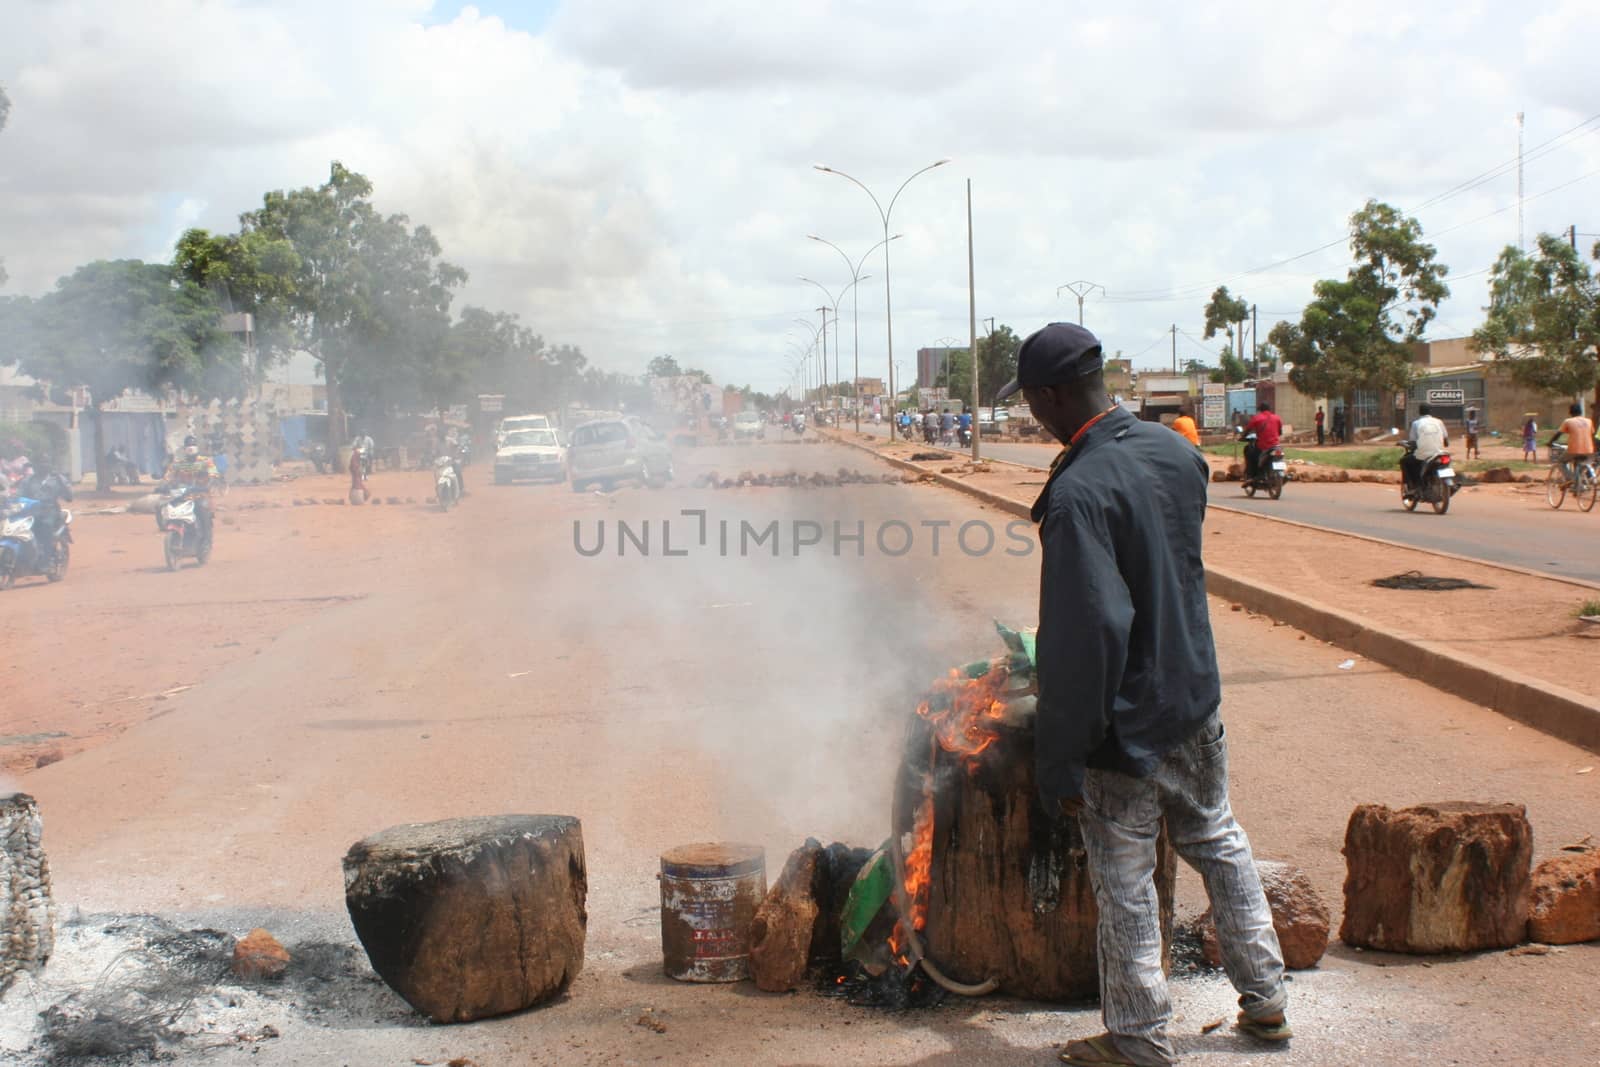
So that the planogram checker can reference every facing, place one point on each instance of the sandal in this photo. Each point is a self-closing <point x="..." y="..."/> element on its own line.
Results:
<point x="1095" y="1052"/>
<point x="1263" y="1030"/>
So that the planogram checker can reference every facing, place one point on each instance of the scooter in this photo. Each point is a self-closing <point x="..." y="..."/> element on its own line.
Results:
<point x="180" y="527"/>
<point x="1437" y="486"/>
<point x="319" y="458"/>
<point x="1271" y="470"/>
<point x="966" y="436"/>
<point x="445" y="488"/>
<point x="20" y="555"/>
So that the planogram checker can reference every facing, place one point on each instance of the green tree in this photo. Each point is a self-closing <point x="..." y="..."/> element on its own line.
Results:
<point x="1222" y="311"/>
<point x="252" y="273"/>
<point x="663" y="367"/>
<point x="956" y="374"/>
<point x="1543" y="317"/>
<point x="1355" y="333"/>
<point x="997" y="361"/>
<point x="1230" y="368"/>
<point x="370" y="296"/>
<point x="1196" y="366"/>
<point x="120" y="325"/>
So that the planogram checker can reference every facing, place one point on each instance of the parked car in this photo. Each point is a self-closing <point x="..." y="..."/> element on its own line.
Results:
<point x="748" y="424"/>
<point x="533" y="454"/>
<point x="613" y="450"/>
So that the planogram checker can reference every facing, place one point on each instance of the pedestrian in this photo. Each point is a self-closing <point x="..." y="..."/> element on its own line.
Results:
<point x="1185" y="427"/>
<point x="1128" y="731"/>
<point x="1530" y="437"/>
<point x="1321" y="439"/>
<point x="1338" y="426"/>
<point x="1472" y="434"/>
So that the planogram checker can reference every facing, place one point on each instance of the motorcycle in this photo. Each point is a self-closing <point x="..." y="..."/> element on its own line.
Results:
<point x="966" y="437"/>
<point x="123" y="470"/>
<point x="446" y="489"/>
<point x="319" y="458"/>
<point x="799" y="424"/>
<point x="20" y="555"/>
<point x="180" y="527"/>
<point x="1437" y="486"/>
<point x="1271" y="470"/>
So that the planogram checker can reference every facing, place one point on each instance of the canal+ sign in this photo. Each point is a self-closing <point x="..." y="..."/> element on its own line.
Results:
<point x="1447" y="397"/>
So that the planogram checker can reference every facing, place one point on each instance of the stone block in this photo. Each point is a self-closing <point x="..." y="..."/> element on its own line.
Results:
<point x="1566" y="899"/>
<point x="1453" y="877"/>
<point x="1299" y="915"/>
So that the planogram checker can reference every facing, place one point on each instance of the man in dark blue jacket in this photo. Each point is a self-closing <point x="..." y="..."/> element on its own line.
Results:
<point x="1128" y="731"/>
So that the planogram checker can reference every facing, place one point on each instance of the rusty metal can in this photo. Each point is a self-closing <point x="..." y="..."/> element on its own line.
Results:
<point x="709" y="896"/>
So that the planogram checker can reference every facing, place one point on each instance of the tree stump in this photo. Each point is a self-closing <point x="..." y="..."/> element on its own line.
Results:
<point x="1449" y="877"/>
<point x="469" y="918"/>
<point x="1009" y="894"/>
<point x="27" y="910"/>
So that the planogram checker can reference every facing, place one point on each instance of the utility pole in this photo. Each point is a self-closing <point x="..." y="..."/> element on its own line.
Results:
<point x="1081" y="289"/>
<point x="1520" y="243"/>
<point x="1255" y="338"/>
<point x="1572" y="235"/>
<point x="972" y="322"/>
<point x="1174" y="348"/>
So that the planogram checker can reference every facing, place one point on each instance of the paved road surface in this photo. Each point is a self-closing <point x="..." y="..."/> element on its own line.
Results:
<point x="484" y="665"/>
<point x="1522" y="531"/>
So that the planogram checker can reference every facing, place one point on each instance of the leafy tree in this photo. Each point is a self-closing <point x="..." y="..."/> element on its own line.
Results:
<point x="120" y="325"/>
<point x="1355" y="333"/>
<point x="1196" y="366"/>
<point x="1223" y="311"/>
<point x="997" y="361"/>
<point x="252" y="273"/>
<point x="370" y="295"/>
<point x="663" y="367"/>
<point x="1544" y="317"/>
<point x="1230" y="368"/>
<point x="956" y="374"/>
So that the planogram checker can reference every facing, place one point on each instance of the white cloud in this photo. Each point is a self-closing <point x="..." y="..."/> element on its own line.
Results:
<point x="637" y="178"/>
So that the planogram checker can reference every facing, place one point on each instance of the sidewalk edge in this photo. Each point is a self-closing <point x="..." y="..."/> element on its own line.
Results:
<point x="1552" y="709"/>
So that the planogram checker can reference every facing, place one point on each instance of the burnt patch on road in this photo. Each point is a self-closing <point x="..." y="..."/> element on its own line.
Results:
<point x="1425" y="582"/>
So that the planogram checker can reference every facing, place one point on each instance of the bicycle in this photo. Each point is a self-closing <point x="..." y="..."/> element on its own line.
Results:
<point x="1584" y="484"/>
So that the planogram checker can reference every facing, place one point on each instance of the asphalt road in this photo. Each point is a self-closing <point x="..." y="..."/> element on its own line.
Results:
<point x="1522" y="531"/>
<point x="481" y="661"/>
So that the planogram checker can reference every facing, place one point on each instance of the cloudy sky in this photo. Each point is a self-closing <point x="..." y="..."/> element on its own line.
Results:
<point x="636" y="177"/>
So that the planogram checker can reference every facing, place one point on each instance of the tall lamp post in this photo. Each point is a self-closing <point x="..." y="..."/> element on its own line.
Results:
<point x="816" y="331"/>
<point x="834" y="300"/>
<point x="883" y="214"/>
<point x="856" y="278"/>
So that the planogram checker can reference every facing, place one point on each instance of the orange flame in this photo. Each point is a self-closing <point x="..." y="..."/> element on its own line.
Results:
<point x="965" y="714"/>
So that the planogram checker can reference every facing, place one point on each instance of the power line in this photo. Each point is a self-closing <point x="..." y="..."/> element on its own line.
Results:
<point x="1544" y="148"/>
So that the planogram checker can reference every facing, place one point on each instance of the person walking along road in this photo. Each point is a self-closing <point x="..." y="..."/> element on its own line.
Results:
<point x="1184" y="426"/>
<point x="1321" y="432"/>
<point x="1128" y="731"/>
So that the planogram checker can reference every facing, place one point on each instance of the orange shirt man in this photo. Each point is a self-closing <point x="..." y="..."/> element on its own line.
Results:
<point x="1184" y="426"/>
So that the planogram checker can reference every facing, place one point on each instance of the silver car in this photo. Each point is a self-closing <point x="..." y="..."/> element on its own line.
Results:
<point x="612" y="450"/>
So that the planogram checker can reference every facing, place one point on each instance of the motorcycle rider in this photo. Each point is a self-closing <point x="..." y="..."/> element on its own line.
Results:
<point x="1268" y="429"/>
<point x="1431" y="438"/>
<point x="196" y="471"/>
<point x="363" y="446"/>
<point x="964" y="426"/>
<point x="49" y="489"/>
<point x="930" y="427"/>
<point x="1579" y="432"/>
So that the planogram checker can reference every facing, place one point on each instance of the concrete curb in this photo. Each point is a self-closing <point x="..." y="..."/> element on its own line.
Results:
<point x="1564" y="713"/>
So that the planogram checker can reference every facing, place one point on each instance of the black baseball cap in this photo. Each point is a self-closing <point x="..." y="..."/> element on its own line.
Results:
<point x="1060" y="352"/>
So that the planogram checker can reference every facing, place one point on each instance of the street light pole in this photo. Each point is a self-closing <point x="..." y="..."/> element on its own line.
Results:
<point x="1081" y="289"/>
<point x="834" y="300"/>
<point x="883" y="214"/>
<point x="972" y="322"/>
<point x="856" y="278"/>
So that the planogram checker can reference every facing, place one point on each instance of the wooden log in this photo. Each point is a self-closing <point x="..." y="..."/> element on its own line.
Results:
<point x="1009" y="895"/>
<point x="469" y="918"/>
<point x="27" y="909"/>
<point x="785" y="923"/>
<point x="1450" y="877"/>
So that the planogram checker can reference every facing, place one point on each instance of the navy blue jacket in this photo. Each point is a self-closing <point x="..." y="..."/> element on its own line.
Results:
<point x="1127" y="668"/>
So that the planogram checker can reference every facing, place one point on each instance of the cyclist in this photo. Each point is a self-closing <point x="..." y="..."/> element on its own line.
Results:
<point x="1579" y="433"/>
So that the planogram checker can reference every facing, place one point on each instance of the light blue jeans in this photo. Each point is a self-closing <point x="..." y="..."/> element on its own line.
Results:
<point x="1120" y="820"/>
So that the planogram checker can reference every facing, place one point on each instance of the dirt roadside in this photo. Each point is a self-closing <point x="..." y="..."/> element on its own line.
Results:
<point x="111" y="645"/>
<point x="1516" y="620"/>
